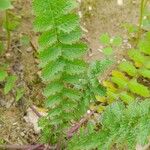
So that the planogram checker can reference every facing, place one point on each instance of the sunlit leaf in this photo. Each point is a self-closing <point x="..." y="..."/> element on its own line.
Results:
<point x="5" y="4"/>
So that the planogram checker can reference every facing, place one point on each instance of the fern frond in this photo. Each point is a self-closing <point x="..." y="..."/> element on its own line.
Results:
<point x="120" y="82"/>
<point x="60" y="54"/>
<point x="145" y="73"/>
<point x="47" y="38"/>
<point x="53" y="70"/>
<point x="71" y="37"/>
<point x="121" y="127"/>
<point x="144" y="46"/>
<point x="49" y="54"/>
<point x="3" y="75"/>
<point x="75" y="51"/>
<point x="53" y="101"/>
<point x="53" y="88"/>
<point x="75" y="67"/>
<point x="68" y="23"/>
<point x="128" y="67"/>
<point x="136" y="56"/>
<point x="138" y="88"/>
<point x="126" y="97"/>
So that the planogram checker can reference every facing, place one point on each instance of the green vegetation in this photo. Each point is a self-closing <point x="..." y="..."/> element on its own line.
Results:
<point x="122" y="127"/>
<point x="83" y="112"/>
<point x="71" y="84"/>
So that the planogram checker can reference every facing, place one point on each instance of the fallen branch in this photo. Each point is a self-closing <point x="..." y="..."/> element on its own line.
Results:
<point x="76" y="127"/>
<point x="35" y="111"/>
<point x="21" y="147"/>
<point x="27" y="147"/>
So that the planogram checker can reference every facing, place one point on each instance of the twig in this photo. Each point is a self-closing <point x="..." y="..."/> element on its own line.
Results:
<point x="35" y="147"/>
<point x="33" y="47"/>
<point x="7" y="30"/>
<point x="75" y="128"/>
<point x="19" y="147"/>
<point x="35" y="111"/>
<point x="141" y="18"/>
<point x="27" y="147"/>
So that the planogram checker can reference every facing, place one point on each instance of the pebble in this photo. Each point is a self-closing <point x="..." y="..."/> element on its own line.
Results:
<point x="120" y="2"/>
<point x="80" y="14"/>
<point x="89" y="111"/>
<point x="8" y="104"/>
<point x="79" y="1"/>
<point x="2" y="102"/>
<point x="90" y="8"/>
<point x="29" y="49"/>
<point x="7" y="55"/>
<point x="22" y="134"/>
<point x="14" y="123"/>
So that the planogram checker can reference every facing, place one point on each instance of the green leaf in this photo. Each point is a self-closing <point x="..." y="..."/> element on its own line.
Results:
<point x="47" y="39"/>
<point x="52" y="70"/>
<point x="5" y="4"/>
<point x="117" y="41"/>
<point x="137" y="56"/>
<point x="145" y="73"/>
<point x="1" y="47"/>
<point x="105" y="39"/>
<point x="19" y="93"/>
<point x="13" y="22"/>
<point x="75" y="67"/>
<point x="128" y="67"/>
<point x="43" y="23"/>
<point x="53" y="101"/>
<point x="71" y="37"/>
<point x="10" y="84"/>
<point x="3" y="75"/>
<point x="68" y="23"/>
<point x="108" y="51"/>
<point x="130" y="28"/>
<point x="72" y="94"/>
<point x="126" y="98"/>
<point x="53" y="88"/>
<point x="138" y="88"/>
<point x="49" y="54"/>
<point x="74" y="51"/>
<point x="144" y="46"/>
<point x="120" y="82"/>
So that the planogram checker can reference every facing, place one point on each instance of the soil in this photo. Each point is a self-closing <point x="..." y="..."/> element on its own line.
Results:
<point x="98" y="16"/>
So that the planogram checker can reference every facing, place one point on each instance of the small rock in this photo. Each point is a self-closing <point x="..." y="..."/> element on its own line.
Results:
<point x="22" y="134"/>
<point x="18" y="128"/>
<point x="2" y="102"/>
<point x="8" y="104"/>
<point x="120" y="2"/>
<point x="80" y="14"/>
<point x="32" y="118"/>
<point x="7" y="55"/>
<point x="79" y="1"/>
<point x="29" y="49"/>
<point x="90" y="8"/>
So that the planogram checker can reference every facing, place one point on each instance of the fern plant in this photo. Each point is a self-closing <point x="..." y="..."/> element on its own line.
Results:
<point x="60" y="54"/>
<point x="121" y="128"/>
<point x="110" y="43"/>
<point x="70" y="83"/>
<point x="125" y="81"/>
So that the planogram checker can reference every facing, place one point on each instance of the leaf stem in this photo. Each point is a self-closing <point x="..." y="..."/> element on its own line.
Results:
<point x="142" y="6"/>
<point x="7" y="30"/>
